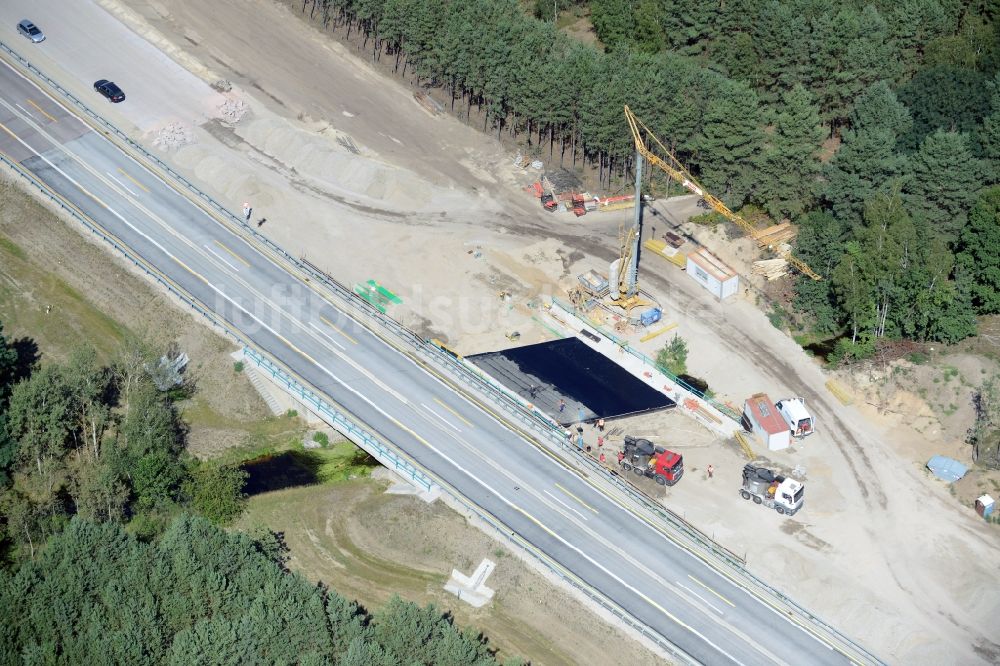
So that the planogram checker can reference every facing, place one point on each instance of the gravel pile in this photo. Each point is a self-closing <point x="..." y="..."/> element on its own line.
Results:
<point x="172" y="136"/>
<point x="233" y="110"/>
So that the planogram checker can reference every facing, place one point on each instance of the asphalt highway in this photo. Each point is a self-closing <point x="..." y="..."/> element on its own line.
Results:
<point x="587" y="532"/>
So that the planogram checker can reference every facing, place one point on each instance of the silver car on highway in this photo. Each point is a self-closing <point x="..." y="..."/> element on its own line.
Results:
<point x="31" y="31"/>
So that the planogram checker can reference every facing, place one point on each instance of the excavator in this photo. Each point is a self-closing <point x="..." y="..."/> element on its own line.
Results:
<point x="673" y="168"/>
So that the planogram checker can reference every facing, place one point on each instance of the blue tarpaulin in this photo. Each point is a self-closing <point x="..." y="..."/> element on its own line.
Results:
<point x="946" y="469"/>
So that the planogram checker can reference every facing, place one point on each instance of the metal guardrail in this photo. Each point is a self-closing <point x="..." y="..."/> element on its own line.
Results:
<point x="379" y="449"/>
<point x="385" y="455"/>
<point x="427" y="350"/>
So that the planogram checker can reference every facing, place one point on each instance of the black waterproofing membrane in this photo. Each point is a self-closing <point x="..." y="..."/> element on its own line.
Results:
<point x="591" y="385"/>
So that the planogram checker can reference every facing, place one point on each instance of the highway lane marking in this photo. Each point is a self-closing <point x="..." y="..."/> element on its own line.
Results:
<point x="564" y="504"/>
<point x="235" y="256"/>
<point x="295" y="322"/>
<point x="326" y="335"/>
<point x="577" y="498"/>
<point x="206" y="281"/>
<point x="186" y="241"/>
<point x="707" y="603"/>
<point x="337" y="328"/>
<point x="457" y="415"/>
<point x="712" y="591"/>
<point x="41" y="110"/>
<point x="49" y="162"/>
<point x="481" y="407"/>
<point x="157" y="245"/>
<point x="391" y="418"/>
<point x="520" y="510"/>
<point x="137" y="183"/>
<point x="443" y="419"/>
<point x="122" y="184"/>
<point x="401" y="425"/>
<point x="582" y="554"/>
<point x="592" y="534"/>
<point x="305" y="355"/>
<point x="728" y="628"/>
<point x="220" y="257"/>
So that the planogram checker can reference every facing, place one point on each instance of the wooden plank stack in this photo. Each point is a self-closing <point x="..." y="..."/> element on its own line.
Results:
<point x="778" y="233"/>
<point x="772" y="269"/>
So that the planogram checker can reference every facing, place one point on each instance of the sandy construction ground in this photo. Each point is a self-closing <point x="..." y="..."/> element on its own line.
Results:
<point x="348" y="170"/>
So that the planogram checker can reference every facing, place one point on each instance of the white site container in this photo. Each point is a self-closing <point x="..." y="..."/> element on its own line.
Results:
<point x="761" y="417"/>
<point x="709" y="271"/>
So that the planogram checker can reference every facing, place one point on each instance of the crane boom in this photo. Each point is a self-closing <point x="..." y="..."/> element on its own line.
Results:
<point x="673" y="168"/>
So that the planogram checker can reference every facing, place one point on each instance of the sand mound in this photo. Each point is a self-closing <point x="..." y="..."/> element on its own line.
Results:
<point x="337" y="168"/>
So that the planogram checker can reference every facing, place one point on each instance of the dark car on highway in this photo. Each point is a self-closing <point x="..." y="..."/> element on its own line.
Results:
<point x="31" y="31"/>
<point x="109" y="90"/>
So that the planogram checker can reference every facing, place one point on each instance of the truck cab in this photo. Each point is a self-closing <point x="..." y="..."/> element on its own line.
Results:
<point x="643" y="458"/>
<point x="763" y="486"/>
<point x="789" y="495"/>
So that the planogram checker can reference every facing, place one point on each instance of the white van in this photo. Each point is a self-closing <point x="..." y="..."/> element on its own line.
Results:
<point x="799" y="421"/>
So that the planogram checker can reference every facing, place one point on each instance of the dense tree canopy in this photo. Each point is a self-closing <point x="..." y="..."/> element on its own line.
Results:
<point x="199" y="595"/>
<point x="92" y="449"/>
<point x="872" y="124"/>
<point x="100" y="442"/>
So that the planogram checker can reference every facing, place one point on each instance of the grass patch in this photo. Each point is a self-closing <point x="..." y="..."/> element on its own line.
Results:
<point x="778" y="316"/>
<point x="8" y="247"/>
<point x="343" y="461"/>
<point x="37" y="303"/>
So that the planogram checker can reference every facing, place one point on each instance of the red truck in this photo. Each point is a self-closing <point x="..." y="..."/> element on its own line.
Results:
<point x="643" y="458"/>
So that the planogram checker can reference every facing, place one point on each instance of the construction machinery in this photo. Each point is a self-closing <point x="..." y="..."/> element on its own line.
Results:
<point x="774" y="491"/>
<point x="670" y="165"/>
<point x="643" y="458"/>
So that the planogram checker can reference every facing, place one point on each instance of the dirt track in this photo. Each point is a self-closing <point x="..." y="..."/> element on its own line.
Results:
<point x="885" y="554"/>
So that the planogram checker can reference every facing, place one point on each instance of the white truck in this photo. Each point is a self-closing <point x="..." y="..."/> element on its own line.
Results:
<point x="774" y="491"/>
<point x="798" y="418"/>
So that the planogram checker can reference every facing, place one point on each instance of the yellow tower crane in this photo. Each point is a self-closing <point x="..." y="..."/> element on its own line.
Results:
<point x="673" y="168"/>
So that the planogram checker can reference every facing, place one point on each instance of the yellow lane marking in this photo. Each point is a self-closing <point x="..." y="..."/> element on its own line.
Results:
<point x="712" y="591"/>
<point x="577" y="498"/>
<point x="137" y="183"/>
<point x="457" y="415"/>
<point x="6" y="129"/>
<point x="42" y="111"/>
<point x="78" y="186"/>
<point x="337" y="328"/>
<point x="234" y="255"/>
<point x="190" y="270"/>
<point x="534" y="520"/>
<point x="659" y="528"/>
